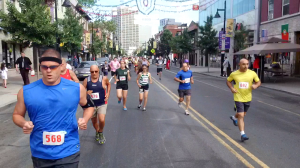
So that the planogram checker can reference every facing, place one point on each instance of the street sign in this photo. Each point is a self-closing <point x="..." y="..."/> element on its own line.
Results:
<point x="152" y="51"/>
<point x="227" y="41"/>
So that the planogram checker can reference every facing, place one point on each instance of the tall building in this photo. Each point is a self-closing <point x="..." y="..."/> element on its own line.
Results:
<point x="127" y="33"/>
<point x="167" y="21"/>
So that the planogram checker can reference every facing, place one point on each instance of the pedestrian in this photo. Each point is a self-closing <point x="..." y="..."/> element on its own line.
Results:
<point x="75" y="62"/>
<point x="242" y="93"/>
<point x="165" y="62"/>
<point x="80" y="59"/>
<point x="105" y="68"/>
<point x="4" y="74"/>
<point x="98" y="87"/>
<point x="168" y="63"/>
<point x="159" y="64"/>
<point x="51" y="103"/>
<point x="226" y="65"/>
<point x="24" y="65"/>
<point x="67" y="73"/>
<point x="122" y="76"/>
<point x="185" y="79"/>
<point x="143" y="80"/>
<point x="114" y="65"/>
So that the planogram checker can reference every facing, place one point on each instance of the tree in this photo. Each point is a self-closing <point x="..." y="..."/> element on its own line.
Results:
<point x="240" y="38"/>
<point x="98" y="44"/>
<point x="30" y="26"/>
<point x="181" y="44"/>
<point x="208" y="42"/>
<point x="72" y="31"/>
<point x="88" y="3"/>
<point x="164" y="45"/>
<point x="150" y="46"/>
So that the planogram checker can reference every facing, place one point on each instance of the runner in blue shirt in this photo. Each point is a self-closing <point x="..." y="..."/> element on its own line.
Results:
<point x="185" y="78"/>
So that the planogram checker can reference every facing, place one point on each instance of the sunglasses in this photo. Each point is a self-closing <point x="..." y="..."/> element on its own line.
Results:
<point x="52" y="67"/>
<point x="94" y="71"/>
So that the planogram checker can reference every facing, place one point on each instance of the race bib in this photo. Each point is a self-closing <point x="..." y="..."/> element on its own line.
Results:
<point x="53" y="138"/>
<point x="95" y="96"/>
<point x="106" y="67"/>
<point x="145" y="79"/>
<point x="243" y="85"/>
<point x="187" y="80"/>
<point x="122" y="78"/>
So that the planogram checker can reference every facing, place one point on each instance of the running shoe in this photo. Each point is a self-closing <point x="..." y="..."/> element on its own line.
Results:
<point x="187" y="112"/>
<point x="125" y="109"/>
<point x="244" y="137"/>
<point x="144" y="109"/>
<point x="115" y="83"/>
<point x="97" y="136"/>
<point x="139" y="106"/>
<point x="119" y="101"/>
<point x="235" y="122"/>
<point x="179" y="104"/>
<point x="159" y="78"/>
<point x="102" y="138"/>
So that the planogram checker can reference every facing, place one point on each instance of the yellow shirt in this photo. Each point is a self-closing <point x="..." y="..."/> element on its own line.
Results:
<point x="243" y="83"/>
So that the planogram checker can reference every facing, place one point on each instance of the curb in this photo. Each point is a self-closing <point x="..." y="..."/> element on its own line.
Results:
<point x="8" y="105"/>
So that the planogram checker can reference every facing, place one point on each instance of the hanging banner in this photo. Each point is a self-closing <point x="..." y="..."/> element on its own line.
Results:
<point x="229" y="28"/>
<point x="110" y="44"/>
<point x="195" y="7"/>
<point x="87" y="38"/>
<point x="285" y="32"/>
<point x="154" y="44"/>
<point x="117" y="48"/>
<point x="227" y="41"/>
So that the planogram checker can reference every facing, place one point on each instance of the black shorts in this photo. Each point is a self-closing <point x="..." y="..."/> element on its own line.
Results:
<point x="112" y="73"/>
<point x="240" y="107"/>
<point x="122" y="86"/>
<point x="105" y="73"/>
<point x="143" y="89"/>
<point x="67" y="162"/>
<point x="183" y="93"/>
<point x="159" y="70"/>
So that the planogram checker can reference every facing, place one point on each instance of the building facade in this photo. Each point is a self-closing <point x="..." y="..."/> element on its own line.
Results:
<point x="167" y="21"/>
<point x="279" y="15"/>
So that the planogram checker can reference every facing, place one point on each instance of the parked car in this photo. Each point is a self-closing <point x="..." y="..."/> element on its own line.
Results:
<point x="102" y="60"/>
<point x="83" y="69"/>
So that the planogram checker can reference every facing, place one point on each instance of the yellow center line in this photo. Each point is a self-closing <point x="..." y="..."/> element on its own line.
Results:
<point x="262" y="164"/>
<point x="279" y="108"/>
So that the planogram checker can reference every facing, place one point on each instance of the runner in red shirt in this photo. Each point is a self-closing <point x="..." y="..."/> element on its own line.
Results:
<point x="66" y="73"/>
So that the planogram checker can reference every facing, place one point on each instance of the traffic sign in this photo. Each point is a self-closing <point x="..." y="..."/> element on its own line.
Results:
<point x="153" y="51"/>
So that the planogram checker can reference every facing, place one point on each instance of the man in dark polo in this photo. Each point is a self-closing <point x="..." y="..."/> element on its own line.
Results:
<point x="24" y="64"/>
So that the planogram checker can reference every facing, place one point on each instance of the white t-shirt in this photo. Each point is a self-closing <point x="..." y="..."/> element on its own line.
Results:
<point x="69" y="67"/>
<point x="4" y="73"/>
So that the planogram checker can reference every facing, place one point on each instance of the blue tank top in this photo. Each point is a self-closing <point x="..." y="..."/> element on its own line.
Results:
<point x="53" y="109"/>
<point x="98" y="94"/>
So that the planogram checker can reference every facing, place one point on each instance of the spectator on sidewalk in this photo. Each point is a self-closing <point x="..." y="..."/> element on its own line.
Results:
<point x="24" y="64"/>
<point x="4" y="74"/>
<point x="226" y="65"/>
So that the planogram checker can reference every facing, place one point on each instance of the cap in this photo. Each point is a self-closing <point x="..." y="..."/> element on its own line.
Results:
<point x="186" y="61"/>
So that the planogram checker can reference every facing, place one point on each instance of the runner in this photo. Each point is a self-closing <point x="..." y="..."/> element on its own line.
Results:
<point x="67" y="73"/>
<point x="105" y="68"/>
<point x="136" y="64"/>
<point x="145" y="61"/>
<point x="242" y="93"/>
<point x="143" y="82"/>
<point x="129" y="63"/>
<point x="98" y="87"/>
<point x="114" y="65"/>
<point x="185" y="78"/>
<point x="126" y="63"/>
<point x="159" y="64"/>
<point x="122" y="77"/>
<point x="51" y="103"/>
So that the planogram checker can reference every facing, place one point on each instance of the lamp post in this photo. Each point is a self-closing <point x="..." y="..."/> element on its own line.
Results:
<point x="66" y="4"/>
<point x="223" y="36"/>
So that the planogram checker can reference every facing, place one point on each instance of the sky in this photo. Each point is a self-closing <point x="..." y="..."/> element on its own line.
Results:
<point x="183" y="17"/>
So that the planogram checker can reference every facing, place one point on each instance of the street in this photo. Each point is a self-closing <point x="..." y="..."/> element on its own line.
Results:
<point x="164" y="137"/>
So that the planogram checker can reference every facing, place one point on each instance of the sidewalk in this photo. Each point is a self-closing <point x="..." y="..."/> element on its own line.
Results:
<point x="8" y="95"/>
<point x="286" y="84"/>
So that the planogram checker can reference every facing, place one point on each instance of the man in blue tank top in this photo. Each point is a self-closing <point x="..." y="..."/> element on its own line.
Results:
<point x="52" y="104"/>
<point x="98" y="87"/>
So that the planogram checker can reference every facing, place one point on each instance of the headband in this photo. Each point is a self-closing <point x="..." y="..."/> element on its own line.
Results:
<point x="53" y="59"/>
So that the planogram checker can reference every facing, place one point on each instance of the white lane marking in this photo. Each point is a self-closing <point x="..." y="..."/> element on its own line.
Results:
<point x="203" y="82"/>
<point x="110" y="79"/>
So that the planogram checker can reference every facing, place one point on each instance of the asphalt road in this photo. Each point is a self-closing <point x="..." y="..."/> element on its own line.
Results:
<point x="164" y="137"/>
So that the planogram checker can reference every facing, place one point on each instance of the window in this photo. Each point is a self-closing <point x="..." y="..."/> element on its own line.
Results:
<point x="271" y="9"/>
<point x="285" y="7"/>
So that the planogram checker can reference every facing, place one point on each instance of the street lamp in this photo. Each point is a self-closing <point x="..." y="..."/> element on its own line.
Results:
<point x="223" y="43"/>
<point x="66" y="4"/>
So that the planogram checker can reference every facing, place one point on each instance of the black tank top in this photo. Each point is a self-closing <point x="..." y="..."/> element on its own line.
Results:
<point x="98" y="94"/>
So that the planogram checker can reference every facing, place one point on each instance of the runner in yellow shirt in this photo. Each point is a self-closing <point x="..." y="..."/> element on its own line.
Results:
<point x="245" y="81"/>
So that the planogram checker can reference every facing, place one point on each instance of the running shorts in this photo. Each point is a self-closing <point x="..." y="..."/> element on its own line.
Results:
<point x="105" y="73"/>
<point x="144" y="88"/>
<point x="159" y="70"/>
<point x="122" y="86"/>
<point x="241" y="107"/>
<point x="67" y="162"/>
<point x="113" y="73"/>
<point x="100" y="110"/>
<point x="183" y="93"/>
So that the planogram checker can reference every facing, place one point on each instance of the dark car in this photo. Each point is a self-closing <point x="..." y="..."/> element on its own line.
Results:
<point x="83" y="69"/>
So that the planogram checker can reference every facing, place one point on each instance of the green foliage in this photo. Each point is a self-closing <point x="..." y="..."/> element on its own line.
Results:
<point x="164" y="45"/>
<point x="88" y="3"/>
<point x="181" y="44"/>
<point x="240" y="38"/>
<point x="150" y="47"/>
<point x="98" y="45"/>
<point x="31" y="25"/>
<point x="72" y="31"/>
<point x="208" y="42"/>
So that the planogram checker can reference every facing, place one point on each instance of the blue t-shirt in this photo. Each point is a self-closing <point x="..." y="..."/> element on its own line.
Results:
<point x="53" y="109"/>
<point x="182" y="75"/>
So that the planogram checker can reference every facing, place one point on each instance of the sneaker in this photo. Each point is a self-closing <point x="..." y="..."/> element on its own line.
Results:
<point x="97" y="136"/>
<point x="139" y="106"/>
<point x="235" y="122"/>
<point x="179" y="104"/>
<point x="244" y="137"/>
<point x="125" y="109"/>
<point x="102" y="138"/>
<point x="115" y="83"/>
<point x="119" y="101"/>
<point x="187" y="112"/>
<point x="159" y="78"/>
<point x="144" y="109"/>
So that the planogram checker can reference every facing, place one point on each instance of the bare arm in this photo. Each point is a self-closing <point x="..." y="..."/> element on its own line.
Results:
<point x="73" y="76"/>
<point x="256" y="85"/>
<point x="137" y="80"/>
<point x="233" y="90"/>
<point x="150" y="78"/>
<point x="128" y="75"/>
<point x="108" y="85"/>
<point x="87" y="112"/>
<point x="192" y="80"/>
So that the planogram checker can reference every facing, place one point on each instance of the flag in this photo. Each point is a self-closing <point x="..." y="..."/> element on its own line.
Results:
<point x="195" y="7"/>
<point x="285" y="32"/>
